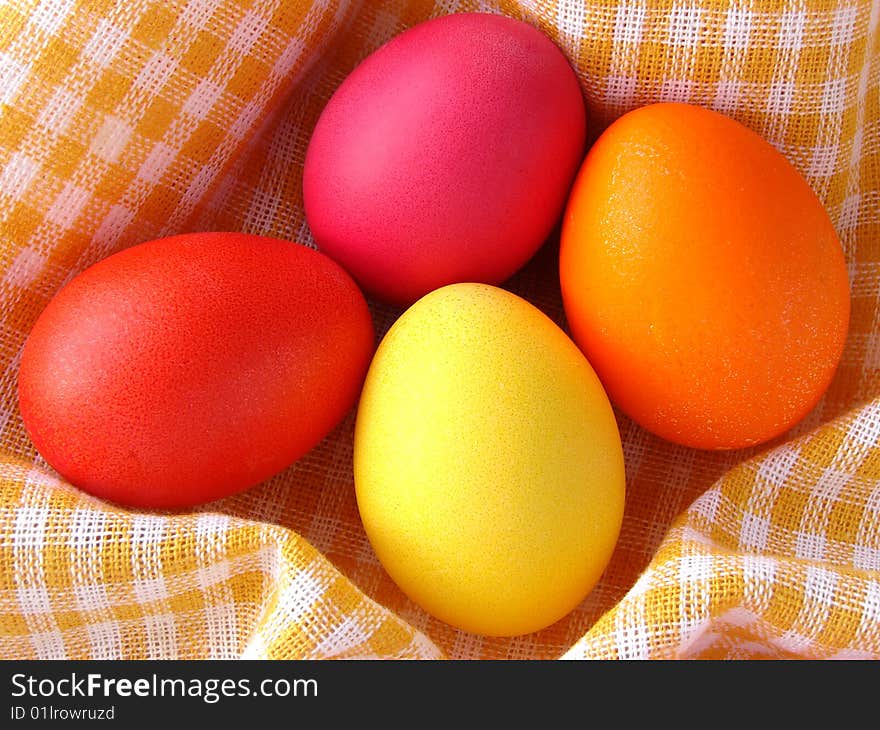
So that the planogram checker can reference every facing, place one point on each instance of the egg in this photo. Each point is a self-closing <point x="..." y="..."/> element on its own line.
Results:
<point x="445" y="156"/>
<point x="192" y="367"/>
<point x="703" y="278"/>
<point x="488" y="466"/>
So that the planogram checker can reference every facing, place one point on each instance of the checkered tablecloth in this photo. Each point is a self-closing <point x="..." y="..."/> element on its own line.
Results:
<point x="126" y="120"/>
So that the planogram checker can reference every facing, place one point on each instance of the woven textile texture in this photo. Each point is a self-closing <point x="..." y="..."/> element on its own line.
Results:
<point x="126" y="120"/>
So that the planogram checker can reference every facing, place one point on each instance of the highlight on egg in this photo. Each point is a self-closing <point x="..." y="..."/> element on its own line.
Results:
<point x="488" y="466"/>
<point x="192" y="367"/>
<point x="445" y="156"/>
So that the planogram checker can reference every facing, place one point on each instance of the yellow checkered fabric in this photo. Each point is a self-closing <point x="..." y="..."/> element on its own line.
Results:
<point x="125" y="120"/>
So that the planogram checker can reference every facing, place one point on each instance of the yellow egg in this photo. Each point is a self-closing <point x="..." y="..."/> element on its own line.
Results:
<point x="488" y="464"/>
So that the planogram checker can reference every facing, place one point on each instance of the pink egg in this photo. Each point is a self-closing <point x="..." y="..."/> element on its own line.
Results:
<point x="445" y="156"/>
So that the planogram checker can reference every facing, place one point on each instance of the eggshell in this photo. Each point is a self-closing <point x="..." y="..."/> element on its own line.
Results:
<point x="488" y="465"/>
<point x="703" y="278"/>
<point x="445" y="156"/>
<point x="192" y="367"/>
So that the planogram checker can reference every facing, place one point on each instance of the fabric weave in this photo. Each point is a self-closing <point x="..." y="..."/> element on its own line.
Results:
<point x="126" y="120"/>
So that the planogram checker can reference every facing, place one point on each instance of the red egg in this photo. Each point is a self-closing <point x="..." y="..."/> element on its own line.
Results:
<point x="193" y="367"/>
<point x="445" y="156"/>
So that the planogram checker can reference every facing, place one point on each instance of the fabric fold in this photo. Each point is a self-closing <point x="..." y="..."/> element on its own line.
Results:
<point x="122" y="121"/>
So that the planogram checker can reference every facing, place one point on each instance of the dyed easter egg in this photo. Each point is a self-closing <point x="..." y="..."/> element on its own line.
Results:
<point x="445" y="156"/>
<point x="192" y="367"/>
<point x="703" y="278"/>
<point x="488" y="466"/>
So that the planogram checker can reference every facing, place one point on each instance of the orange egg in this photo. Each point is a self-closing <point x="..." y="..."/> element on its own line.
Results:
<point x="702" y="278"/>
